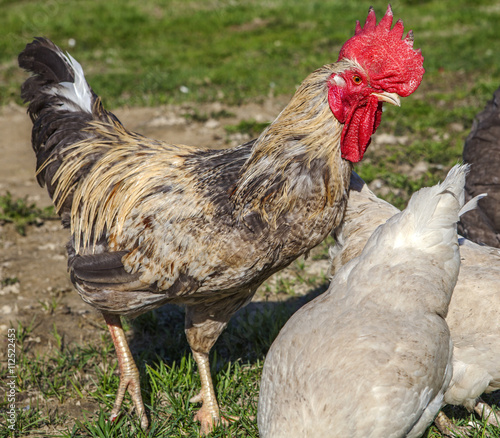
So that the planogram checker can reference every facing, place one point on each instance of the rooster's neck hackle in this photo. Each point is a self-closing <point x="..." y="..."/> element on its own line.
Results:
<point x="304" y="135"/>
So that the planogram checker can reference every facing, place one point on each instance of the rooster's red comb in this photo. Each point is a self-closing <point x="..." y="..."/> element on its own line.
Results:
<point x="384" y="55"/>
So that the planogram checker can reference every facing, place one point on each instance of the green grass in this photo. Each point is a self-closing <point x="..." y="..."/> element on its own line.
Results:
<point x="22" y="213"/>
<point x="168" y="375"/>
<point x="169" y="378"/>
<point x="9" y="281"/>
<point x="142" y="53"/>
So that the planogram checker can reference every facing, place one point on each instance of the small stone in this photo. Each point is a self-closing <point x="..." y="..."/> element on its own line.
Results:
<point x="390" y="139"/>
<point x="10" y="289"/>
<point x="6" y="309"/>
<point x="48" y="246"/>
<point x="376" y="184"/>
<point x="457" y="127"/>
<point x="212" y="124"/>
<point x="419" y="169"/>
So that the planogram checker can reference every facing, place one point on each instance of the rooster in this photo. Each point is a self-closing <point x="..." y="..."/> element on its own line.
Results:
<point x="154" y="223"/>
<point x="372" y="356"/>
<point x="473" y="311"/>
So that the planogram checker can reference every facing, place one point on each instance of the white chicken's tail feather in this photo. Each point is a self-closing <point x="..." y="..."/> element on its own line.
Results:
<point x="472" y="204"/>
<point x="365" y="212"/>
<point x="431" y="215"/>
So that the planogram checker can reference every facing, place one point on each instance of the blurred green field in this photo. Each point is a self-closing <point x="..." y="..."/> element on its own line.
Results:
<point x="150" y="53"/>
<point x="141" y="53"/>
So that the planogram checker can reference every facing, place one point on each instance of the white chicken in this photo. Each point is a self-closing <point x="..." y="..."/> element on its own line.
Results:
<point x="473" y="311"/>
<point x="372" y="356"/>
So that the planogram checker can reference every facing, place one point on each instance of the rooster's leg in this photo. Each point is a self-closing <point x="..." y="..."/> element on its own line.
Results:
<point x="129" y="374"/>
<point x="486" y="413"/>
<point x="209" y="414"/>
<point x="203" y="327"/>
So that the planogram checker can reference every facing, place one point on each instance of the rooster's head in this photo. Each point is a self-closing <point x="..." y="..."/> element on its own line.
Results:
<point x="380" y="67"/>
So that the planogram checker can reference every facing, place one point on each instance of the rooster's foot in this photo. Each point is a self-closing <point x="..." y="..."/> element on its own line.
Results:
<point x="132" y="385"/>
<point x="209" y="419"/>
<point x="129" y="374"/>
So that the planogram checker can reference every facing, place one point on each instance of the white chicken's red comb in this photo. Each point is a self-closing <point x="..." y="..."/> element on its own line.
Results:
<point x="381" y="51"/>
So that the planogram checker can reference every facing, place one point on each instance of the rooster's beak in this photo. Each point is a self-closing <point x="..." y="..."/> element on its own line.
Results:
<point x="391" y="98"/>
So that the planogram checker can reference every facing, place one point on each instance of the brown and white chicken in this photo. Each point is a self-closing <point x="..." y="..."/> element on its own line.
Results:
<point x="154" y="223"/>
<point x="473" y="311"/>
<point x="372" y="356"/>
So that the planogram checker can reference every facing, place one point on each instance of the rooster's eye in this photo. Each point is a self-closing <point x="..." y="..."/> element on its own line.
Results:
<point x="357" y="79"/>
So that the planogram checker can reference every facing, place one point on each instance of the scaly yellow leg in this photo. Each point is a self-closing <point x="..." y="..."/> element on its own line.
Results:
<point x="129" y="374"/>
